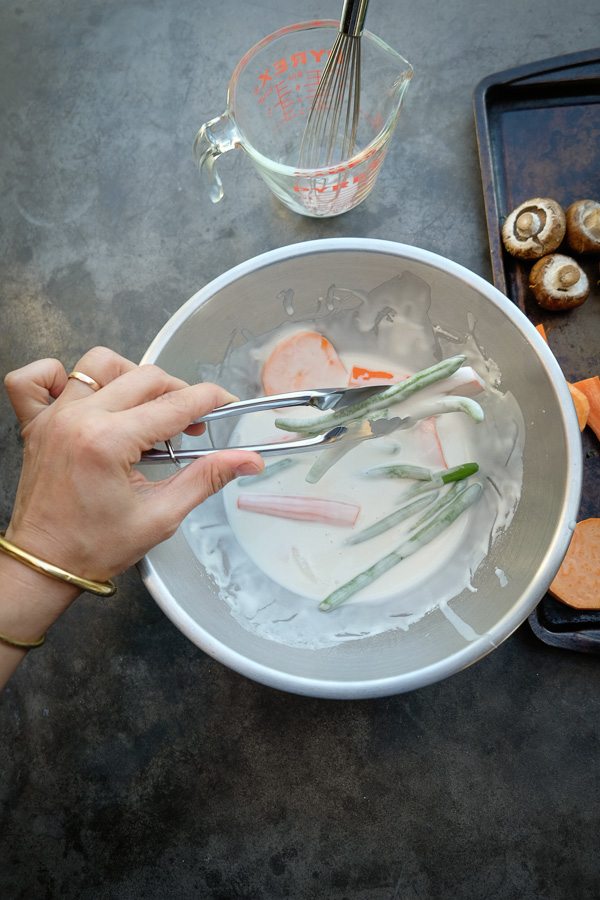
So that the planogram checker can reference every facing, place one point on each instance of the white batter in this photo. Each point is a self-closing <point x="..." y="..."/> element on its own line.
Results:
<point x="273" y="572"/>
<point x="313" y="559"/>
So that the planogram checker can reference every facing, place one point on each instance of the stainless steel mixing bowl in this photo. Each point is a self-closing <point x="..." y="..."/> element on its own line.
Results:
<point x="248" y="297"/>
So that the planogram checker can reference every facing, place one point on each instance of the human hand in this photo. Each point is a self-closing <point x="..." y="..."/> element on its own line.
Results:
<point x="81" y="504"/>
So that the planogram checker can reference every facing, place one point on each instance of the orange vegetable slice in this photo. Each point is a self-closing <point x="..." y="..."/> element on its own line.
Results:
<point x="431" y="452"/>
<point x="360" y="376"/>
<point x="591" y="388"/>
<point x="582" y="405"/>
<point x="305" y="360"/>
<point x="578" y="580"/>
<point x="303" y="509"/>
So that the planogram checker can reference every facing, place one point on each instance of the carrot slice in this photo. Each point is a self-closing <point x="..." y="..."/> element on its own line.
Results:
<point x="305" y="360"/>
<point x="540" y="328"/>
<point x="302" y="509"/>
<point x="591" y="388"/>
<point x="431" y="452"/>
<point x="578" y="580"/>
<point x="465" y="383"/>
<point x="361" y="376"/>
<point x="582" y="405"/>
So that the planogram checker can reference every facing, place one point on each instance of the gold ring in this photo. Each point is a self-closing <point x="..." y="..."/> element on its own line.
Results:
<point x="85" y="379"/>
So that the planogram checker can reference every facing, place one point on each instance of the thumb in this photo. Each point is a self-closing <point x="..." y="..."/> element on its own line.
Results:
<point x="191" y="485"/>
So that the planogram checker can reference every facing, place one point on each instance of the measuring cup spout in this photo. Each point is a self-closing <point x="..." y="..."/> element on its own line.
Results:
<point x="214" y="138"/>
<point x="401" y="84"/>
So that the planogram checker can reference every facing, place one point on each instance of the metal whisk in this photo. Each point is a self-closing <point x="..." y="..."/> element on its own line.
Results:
<point x="336" y="103"/>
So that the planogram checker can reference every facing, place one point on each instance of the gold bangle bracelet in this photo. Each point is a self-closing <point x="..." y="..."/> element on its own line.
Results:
<point x="102" y="588"/>
<point x="22" y="645"/>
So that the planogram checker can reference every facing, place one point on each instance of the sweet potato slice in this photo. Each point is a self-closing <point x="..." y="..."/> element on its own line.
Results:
<point x="591" y="388"/>
<point x="582" y="406"/>
<point x="305" y="360"/>
<point x="578" y="580"/>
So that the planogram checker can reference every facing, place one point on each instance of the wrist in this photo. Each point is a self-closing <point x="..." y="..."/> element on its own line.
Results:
<point x="30" y="601"/>
<point x="47" y="544"/>
<point x="40" y="565"/>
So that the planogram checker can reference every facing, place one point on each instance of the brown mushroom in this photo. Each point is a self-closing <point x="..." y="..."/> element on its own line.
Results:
<point x="534" y="228"/>
<point x="558" y="282"/>
<point x="583" y="226"/>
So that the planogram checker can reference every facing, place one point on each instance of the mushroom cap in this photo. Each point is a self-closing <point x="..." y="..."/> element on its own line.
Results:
<point x="535" y="228"/>
<point x="558" y="282"/>
<point x="583" y="226"/>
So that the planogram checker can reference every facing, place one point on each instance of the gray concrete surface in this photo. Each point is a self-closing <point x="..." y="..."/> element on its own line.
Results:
<point x="134" y="766"/>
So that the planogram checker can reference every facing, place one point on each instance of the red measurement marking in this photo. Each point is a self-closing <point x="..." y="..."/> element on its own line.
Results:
<point x="285" y="101"/>
<point x="362" y="177"/>
<point x="336" y="170"/>
<point x="311" y="82"/>
<point x="264" y="77"/>
<point x="295" y="60"/>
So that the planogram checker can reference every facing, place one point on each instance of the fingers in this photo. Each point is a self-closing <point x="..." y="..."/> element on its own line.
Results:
<point x="139" y="385"/>
<point x="151" y="405"/>
<point x="195" y="430"/>
<point x="32" y="388"/>
<point x="125" y="386"/>
<point x="100" y="364"/>
<point x="154" y="404"/>
<point x="169" y="413"/>
<point x="177" y="495"/>
<point x="123" y="383"/>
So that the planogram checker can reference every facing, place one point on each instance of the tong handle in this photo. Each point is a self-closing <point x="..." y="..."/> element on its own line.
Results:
<point x="280" y="447"/>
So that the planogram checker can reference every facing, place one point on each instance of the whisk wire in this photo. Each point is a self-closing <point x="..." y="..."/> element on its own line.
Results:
<point x="339" y="85"/>
<point x="353" y="105"/>
<point x="337" y="97"/>
<point x="318" y="117"/>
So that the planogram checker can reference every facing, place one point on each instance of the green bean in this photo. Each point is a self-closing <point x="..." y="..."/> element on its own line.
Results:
<point x="325" y="460"/>
<point x="443" y="501"/>
<point x="271" y="469"/>
<point x="438" y="479"/>
<point x="393" y="394"/>
<point x="457" y="473"/>
<point x="439" y="406"/>
<point x="467" y="405"/>
<point x="418" y="540"/>
<point x="399" y="515"/>
<point x="417" y="473"/>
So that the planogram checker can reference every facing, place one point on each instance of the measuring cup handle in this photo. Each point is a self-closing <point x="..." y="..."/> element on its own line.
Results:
<point x="214" y="138"/>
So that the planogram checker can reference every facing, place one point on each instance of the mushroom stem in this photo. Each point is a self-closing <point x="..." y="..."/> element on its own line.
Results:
<point x="558" y="282"/>
<point x="534" y="229"/>
<point x="527" y="224"/>
<point x="565" y="277"/>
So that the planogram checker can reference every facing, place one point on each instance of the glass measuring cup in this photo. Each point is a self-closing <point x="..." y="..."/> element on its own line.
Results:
<point x="268" y="101"/>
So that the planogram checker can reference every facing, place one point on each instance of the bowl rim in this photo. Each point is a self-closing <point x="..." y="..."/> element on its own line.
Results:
<point x="474" y="650"/>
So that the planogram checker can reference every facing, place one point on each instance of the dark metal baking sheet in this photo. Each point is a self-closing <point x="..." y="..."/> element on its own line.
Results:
<point x="538" y="131"/>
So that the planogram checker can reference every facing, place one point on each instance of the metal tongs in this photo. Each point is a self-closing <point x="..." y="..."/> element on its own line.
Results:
<point x="320" y="398"/>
